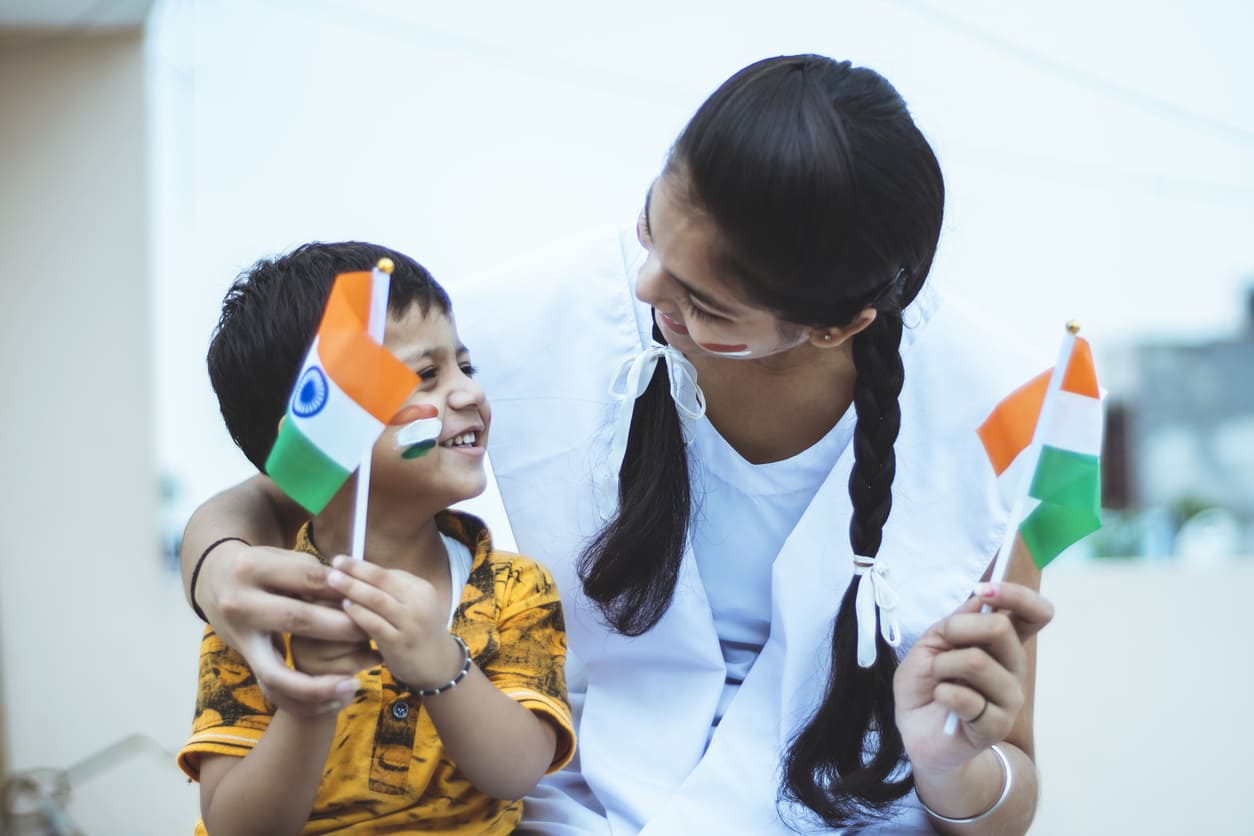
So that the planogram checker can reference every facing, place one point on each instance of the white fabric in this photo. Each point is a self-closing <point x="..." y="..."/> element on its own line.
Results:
<point x="742" y="514"/>
<point x="549" y="332"/>
<point x="459" y="562"/>
<point x="628" y="385"/>
<point x="875" y="596"/>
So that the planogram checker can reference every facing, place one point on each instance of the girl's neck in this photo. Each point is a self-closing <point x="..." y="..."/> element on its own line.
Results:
<point x="772" y="409"/>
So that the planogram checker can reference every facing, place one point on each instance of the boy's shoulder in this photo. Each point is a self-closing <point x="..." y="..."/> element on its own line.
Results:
<point x="473" y="532"/>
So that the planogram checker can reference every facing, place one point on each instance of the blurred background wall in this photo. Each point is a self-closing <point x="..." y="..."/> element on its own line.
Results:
<point x="1100" y="165"/>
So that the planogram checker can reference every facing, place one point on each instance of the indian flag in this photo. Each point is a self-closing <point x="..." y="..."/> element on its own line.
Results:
<point x="1051" y="428"/>
<point x="348" y="388"/>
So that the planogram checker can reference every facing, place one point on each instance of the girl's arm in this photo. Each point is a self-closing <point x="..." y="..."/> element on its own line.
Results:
<point x="251" y="592"/>
<point x="967" y="661"/>
<point x="501" y="746"/>
<point x="271" y="791"/>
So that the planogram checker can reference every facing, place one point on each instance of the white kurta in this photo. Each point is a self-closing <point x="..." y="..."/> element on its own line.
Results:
<point x="549" y="332"/>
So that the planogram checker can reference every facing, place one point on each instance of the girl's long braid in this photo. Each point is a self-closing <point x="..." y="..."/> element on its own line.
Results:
<point x="827" y="767"/>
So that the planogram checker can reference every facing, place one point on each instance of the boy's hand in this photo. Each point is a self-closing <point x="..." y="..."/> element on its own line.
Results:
<point x="404" y="615"/>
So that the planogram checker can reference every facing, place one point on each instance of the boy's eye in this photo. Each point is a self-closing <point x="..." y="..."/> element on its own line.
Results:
<point x="428" y="374"/>
<point x="469" y="369"/>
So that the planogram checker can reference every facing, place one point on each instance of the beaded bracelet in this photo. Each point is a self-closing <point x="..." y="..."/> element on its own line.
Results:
<point x="191" y="587"/>
<point x="1005" y="793"/>
<point x="466" y="662"/>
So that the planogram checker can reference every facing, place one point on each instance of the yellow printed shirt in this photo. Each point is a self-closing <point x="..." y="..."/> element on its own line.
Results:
<point x="387" y="770"/>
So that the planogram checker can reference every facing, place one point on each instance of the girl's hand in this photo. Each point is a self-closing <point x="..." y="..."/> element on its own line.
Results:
<point x="252" y="594"/>
<point x="318" y="657"/>
<point x="405" y="616"/>
<point x="975" y="664"/>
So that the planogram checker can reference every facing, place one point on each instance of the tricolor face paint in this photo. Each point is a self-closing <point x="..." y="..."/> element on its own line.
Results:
<point x="741" y="350"/>
<point x="420" y="429"/>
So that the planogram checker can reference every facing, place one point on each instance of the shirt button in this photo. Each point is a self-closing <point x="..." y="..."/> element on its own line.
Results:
<point x="400" y="709"/>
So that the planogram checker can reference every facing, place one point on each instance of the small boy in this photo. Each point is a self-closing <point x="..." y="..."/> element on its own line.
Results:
<point x="467" y="708"/>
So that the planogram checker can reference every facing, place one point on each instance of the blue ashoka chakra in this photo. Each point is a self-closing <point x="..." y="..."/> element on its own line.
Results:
<point x="311" y="393"/>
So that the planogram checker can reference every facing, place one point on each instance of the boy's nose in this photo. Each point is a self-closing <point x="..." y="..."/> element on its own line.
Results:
<point x="467" y="394"/>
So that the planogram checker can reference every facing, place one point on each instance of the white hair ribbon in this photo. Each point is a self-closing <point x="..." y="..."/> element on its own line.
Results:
<point x="635" y="374"/>
<point x="874" y="593"/>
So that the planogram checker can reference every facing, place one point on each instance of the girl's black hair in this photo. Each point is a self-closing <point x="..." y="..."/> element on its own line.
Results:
<point x="827" y="200"/>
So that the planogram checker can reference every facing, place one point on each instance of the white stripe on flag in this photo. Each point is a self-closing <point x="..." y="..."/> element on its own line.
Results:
<point x="342" y="429"/>
<point x="1076" y="424"/>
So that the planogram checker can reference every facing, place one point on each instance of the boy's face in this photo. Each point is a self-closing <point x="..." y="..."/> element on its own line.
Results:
<point x="453" y="469"/>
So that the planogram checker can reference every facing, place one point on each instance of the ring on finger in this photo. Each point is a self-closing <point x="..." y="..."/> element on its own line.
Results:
<point x="977" y="717"/>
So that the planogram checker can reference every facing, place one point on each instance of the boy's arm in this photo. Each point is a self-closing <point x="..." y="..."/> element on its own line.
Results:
<point x="271" y="791"/>
<point x="500" y="745"/>
<point x="249" y="593"/>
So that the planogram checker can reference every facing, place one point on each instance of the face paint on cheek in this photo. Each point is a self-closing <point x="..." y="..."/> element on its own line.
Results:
<point x="419" y="429"/>
<point x="741" y="350"/>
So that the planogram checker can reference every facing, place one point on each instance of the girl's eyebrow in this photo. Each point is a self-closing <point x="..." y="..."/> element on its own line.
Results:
<point x="704" y="299"/>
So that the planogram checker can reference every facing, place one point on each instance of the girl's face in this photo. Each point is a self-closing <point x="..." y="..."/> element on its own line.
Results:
<point x="452" y="470"/>
<point x="694" y="306"/>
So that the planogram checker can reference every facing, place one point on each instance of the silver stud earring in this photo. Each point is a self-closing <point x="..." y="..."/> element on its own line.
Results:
<point x="827" y="338"/>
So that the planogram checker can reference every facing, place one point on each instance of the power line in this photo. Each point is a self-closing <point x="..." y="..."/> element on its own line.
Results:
<point x="1163" y="108"/>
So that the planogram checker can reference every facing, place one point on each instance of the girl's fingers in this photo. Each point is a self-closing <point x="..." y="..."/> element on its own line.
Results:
<point x="980" y="714"/>
<point x="974" y="668"/>
<point x="993" y="632"/>
<point x="1029" y="610"/>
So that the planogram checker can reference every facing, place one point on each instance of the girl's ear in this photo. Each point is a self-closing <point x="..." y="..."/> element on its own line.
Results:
<point x="832" y="337"/>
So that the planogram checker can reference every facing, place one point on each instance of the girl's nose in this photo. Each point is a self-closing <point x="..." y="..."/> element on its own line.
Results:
<point x="651" y="282"/>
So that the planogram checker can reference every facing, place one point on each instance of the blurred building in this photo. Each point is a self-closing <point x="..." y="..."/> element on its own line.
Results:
<point x="1184" y="439"/>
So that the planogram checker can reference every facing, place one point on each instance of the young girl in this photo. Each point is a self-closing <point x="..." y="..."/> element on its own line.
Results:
<point x="756" y="644"/>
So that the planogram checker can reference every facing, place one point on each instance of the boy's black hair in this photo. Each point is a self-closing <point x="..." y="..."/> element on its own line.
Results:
<point x="269" y="318"/>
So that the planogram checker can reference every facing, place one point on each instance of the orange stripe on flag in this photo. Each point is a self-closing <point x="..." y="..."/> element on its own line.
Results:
<point x="1009" y="429"/>
<point x="366" y="371"/>
<point x="1081" y="377"/>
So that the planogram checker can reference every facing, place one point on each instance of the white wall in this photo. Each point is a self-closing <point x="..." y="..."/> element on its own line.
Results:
<point x="95" y="639"/>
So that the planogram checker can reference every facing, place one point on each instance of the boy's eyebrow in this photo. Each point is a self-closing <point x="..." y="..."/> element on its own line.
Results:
<point x="704" y="299"/>
<point x="418" y="352"/>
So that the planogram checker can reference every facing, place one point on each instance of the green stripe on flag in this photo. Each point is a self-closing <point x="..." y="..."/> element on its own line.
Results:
<point x="1068" y="485"/>
<point x="304" y="472"/>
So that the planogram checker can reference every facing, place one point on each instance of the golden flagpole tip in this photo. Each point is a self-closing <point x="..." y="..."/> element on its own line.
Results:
<point x="386" y="265"/>
<point x="1073" y="327"/>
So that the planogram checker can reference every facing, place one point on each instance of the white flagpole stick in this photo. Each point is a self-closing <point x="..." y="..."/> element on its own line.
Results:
<point x="1001" y="560"/>
<point x="381" y="286"/>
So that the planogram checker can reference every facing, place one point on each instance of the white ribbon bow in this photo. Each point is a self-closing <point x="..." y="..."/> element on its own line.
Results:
<point x="874" y="592"/>
<point x="635" y="374"/>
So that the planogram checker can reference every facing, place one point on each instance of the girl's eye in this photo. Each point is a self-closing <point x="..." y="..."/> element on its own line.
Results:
<point x="428" y="374"/>
<point x="469" y="369"/>
<point x="698" y="313"/>
<point x="642" y="229"/>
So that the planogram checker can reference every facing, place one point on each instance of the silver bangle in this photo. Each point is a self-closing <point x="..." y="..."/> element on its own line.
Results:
<point x="1005" y="793"/>
<point x="431" y="692"/>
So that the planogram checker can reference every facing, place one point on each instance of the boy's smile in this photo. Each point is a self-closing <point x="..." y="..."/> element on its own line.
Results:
<point x="448" y="410"/>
